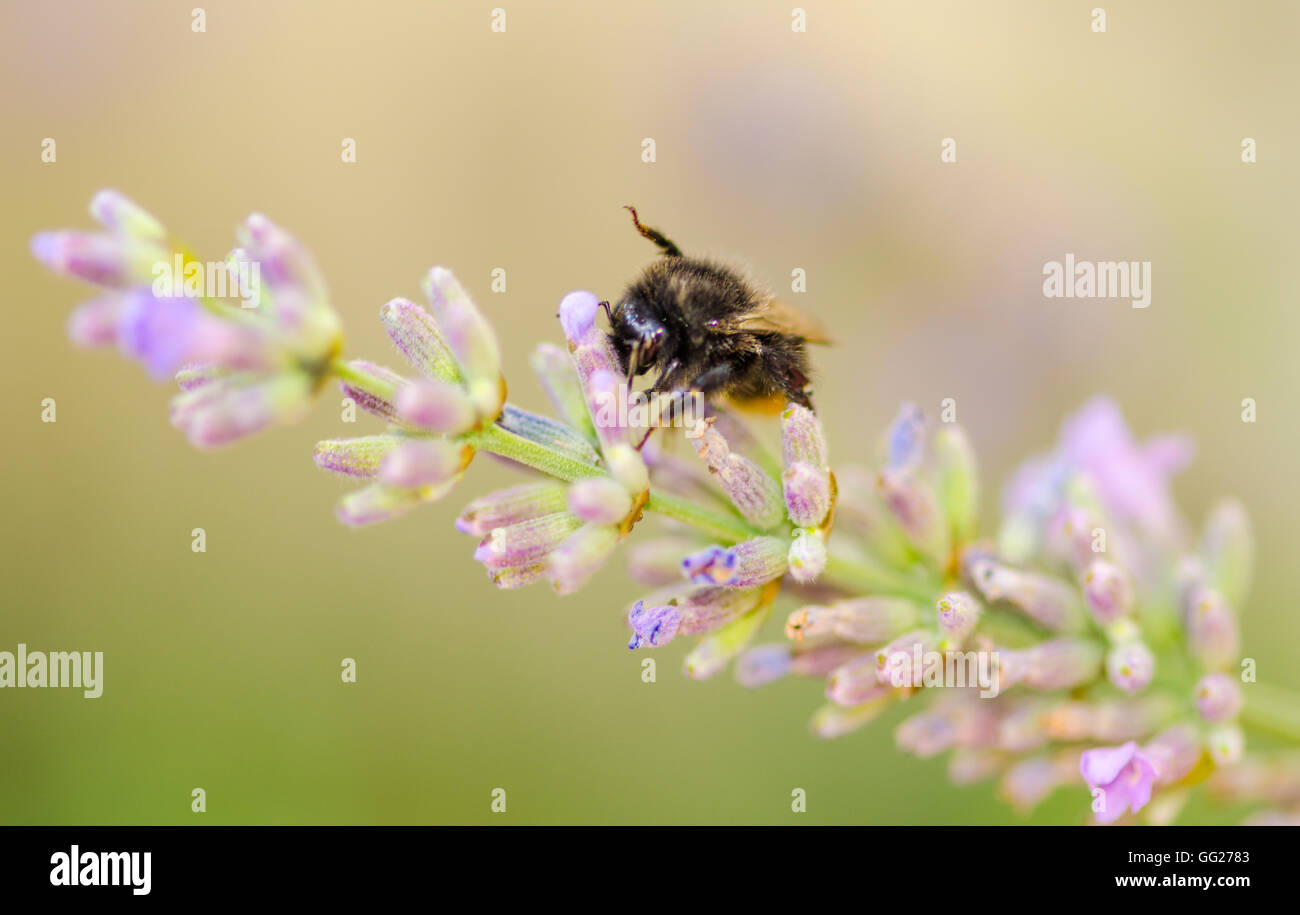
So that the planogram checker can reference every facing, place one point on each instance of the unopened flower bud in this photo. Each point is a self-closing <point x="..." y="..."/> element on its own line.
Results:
<point x="1218" y="698"/>
<point x="1107" y="591"/>
<point x="435" y="406"/>
<point x="807" y="555"/>
<point x="807" y="494"/>
<point x="1130" y="666"/>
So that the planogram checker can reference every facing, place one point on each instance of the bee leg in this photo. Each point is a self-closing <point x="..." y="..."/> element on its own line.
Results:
<point x="713" y="380"/>
<point x="663" y="241"/>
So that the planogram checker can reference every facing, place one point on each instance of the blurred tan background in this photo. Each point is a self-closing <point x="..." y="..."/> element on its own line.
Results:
<point x="478" y="150"/>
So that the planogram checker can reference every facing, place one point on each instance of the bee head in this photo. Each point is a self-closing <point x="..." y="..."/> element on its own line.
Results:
<point x="638" y="339"/>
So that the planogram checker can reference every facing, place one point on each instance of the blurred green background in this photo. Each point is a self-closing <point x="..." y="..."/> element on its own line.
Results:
<point x="479" y="150"/>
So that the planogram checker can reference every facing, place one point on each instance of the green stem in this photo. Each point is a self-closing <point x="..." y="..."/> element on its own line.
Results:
<point x="1272" y="709"/>
<point x="524" y="451"/>
<point x="716" y="524"/>
<point x="872" y="579"/>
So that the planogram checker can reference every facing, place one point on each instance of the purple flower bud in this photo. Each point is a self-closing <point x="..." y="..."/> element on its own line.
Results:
<point x="1218" y="698"/>
<point x="958" y="614"/>
<point x="855" y="681"/>
<point x="802" y="441"/>
<point x="190" y="377"/>
<point x="1174" y="753"/>
<point x="807" y="494"/>
<point x="354" y="457"/>
<point x="751" y="490"/>
<point x="1120" y="779"/>
<point x="866" y="620"/>
<point x="435" y="406"/>
<point x="375" y="503"/>
<point x="457" y="314"/>
<point x="115" y="212"/>
<point x="1022" y="726"/>
<point x="1107" y="591"/>
<point x="752" y="562"/>
<point x="927" y="734"/>
<point x="1069" y="535"/>
<point x="416" y="335"/>
<point x="860" y="510"/>
<point x="510" y="506"/>
<point x="575" y="560"/>
<point x="115" y="261"/>
<point x="701" y="610"/>
<point x="578" y="318"/>
<point x="1046" y="600"/>
<point x="599" y="500"/>
<point x="425" y="462"/>
<point x="525" y="542"/>
<point x="372" y="403"/>
<point x="286" y="265"/>
<point x="1130" y="666"/>
<point x="763" y="664"/>
<point x="1212" y="633"/>
<point x="807" y="555"/>
<point x="162" y="334"/>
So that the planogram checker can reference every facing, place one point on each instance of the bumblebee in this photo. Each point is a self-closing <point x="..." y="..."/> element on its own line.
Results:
<point x="700" y="326"/>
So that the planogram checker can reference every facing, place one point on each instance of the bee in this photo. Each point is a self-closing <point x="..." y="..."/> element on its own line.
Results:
<point x="700" y="326"/>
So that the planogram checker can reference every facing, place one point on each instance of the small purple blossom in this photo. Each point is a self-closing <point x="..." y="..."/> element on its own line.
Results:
<point x="1120" y="779"/>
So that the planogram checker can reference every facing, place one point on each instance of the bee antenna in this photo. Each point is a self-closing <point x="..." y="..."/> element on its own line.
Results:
<point x="663" y="241"/>
<point x="608" y="314"/>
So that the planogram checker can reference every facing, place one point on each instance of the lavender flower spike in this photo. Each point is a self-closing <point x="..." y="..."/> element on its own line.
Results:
<point x="1120" y="779"/>
<point x="1212" y="632"/>
<point x="117" y="213"/>
<point x="1107" y="591"/>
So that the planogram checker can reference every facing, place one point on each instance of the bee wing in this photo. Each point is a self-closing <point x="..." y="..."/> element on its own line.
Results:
<point x="780" y="317"/>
